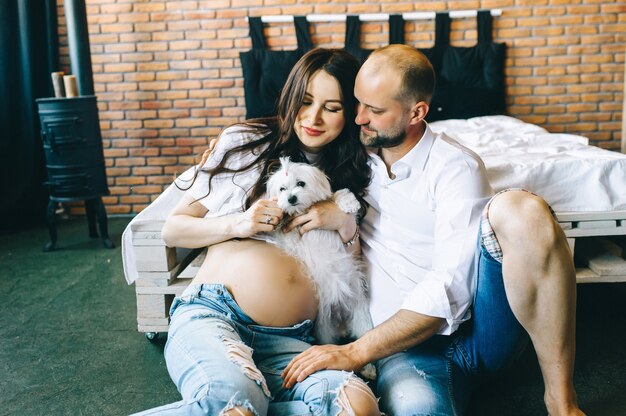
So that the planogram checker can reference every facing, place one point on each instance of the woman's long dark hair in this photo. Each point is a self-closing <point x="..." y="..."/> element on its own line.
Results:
<point x="344" y="160"/>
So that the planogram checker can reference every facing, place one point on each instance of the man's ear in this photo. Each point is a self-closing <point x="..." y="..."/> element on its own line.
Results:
<point x="418" y="112"/>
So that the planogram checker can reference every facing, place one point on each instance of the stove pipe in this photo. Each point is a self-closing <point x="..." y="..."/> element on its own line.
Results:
<point x="78" y="39"/>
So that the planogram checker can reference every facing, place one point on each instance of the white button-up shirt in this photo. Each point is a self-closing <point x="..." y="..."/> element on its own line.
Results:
<point x="419" y="236"/>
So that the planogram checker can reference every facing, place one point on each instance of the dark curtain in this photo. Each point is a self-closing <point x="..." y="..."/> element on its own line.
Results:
<point x="29" y="52"/>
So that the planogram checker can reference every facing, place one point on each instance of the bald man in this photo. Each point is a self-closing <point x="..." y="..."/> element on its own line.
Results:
<point x="460" y="279"/>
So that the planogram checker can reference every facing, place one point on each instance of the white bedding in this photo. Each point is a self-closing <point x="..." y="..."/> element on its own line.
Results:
<point x="562" y="168"/>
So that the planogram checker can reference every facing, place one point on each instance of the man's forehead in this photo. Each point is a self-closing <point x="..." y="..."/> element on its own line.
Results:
<point x="375" y="84"/>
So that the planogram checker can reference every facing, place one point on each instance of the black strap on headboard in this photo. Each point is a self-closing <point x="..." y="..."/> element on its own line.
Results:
<point x="353" y="35"/>
<point x="396" y="29"/>
<point x="265" y="72"/>
<point x="469" y="80"/>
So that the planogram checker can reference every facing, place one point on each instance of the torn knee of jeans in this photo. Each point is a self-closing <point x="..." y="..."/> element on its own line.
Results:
<point x="420" y="373"/>
<point x="236" y="406"/>
<point x="240" y="354"/>
<point x="205" y="315"/>
<point x="225" y="327"/>
<point x="356" y="386"/>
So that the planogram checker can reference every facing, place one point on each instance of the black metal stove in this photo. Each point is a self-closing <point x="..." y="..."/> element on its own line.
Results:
<point x="70" y="132"/>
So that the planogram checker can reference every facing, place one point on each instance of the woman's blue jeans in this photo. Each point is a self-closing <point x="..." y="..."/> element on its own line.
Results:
<point x="219" y="358"/>
<point x="437" y="377"/>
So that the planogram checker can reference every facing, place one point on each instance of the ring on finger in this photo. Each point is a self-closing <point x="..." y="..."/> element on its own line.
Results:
<point x="268" y="218"/>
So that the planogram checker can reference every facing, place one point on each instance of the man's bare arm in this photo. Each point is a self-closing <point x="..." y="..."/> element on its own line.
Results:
<point x="403" y="330"/>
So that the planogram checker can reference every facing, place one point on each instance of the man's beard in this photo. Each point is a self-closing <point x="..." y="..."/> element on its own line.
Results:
<point x="383" y="141"/>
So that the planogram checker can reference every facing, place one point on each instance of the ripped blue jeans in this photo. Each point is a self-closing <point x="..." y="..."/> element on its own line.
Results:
<point x="436" y="378"/>
<point x="219" y="358"/>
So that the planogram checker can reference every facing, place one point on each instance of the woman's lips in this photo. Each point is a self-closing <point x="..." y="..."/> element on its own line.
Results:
<point x="312" y="132"/>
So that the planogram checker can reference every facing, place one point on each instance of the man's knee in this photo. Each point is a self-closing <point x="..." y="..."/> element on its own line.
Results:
<point x="412" y="391"/>
<point x="519" y="214"/>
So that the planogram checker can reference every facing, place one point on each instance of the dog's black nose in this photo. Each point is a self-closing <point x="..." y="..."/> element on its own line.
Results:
<point x="292" y="199"/>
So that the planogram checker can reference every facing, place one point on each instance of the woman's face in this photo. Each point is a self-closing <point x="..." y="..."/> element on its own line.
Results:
<point x="321" y="117"/>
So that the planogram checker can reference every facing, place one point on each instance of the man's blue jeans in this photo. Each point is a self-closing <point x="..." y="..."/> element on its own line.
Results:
<point x="437" y="377"/>
<point x="219" y="358"/>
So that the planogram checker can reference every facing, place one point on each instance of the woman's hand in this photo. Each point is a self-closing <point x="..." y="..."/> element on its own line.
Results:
<point x="324" y="215"/>
<point x="263" y="216"/>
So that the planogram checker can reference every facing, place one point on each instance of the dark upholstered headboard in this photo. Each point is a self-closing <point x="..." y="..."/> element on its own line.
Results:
<point x="469" y="80"/>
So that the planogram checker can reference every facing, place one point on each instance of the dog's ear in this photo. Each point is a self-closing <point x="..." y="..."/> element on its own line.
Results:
<point x="284" y="161"/>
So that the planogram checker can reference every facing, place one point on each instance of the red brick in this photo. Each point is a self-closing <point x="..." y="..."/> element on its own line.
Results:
<point x="134" y="37"/>
<point x="177" y="151"/>
<point x="183" y="25"/>
<point x="579" y="108"/>
<point x="148" y="7"/>
<point x="116" y="28"/>
<point x="159" y="142"/>
<point x="147" y="170"/>
<point x="165" y="16"/>
<point x="563" y="99"/>
<point x="190" y="122"/>
<point x="169" y="35"/>
<point x="133" y="17"/>
<point x="144" y="152"/>
<point x="563" y="118"/>
<point x="150" y="105"/>
<point x="171" y="95"/>
<point x="135" y="199"/>
<point x="156" y="85"/>
<point x="140" y="95"/>
<point x="131" y="180"/>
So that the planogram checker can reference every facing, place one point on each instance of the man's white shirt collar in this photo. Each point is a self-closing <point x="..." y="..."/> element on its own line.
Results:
<point x="416" y="158"/>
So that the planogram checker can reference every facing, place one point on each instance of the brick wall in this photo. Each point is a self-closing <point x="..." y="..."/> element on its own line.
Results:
<point x="168" y="78"/>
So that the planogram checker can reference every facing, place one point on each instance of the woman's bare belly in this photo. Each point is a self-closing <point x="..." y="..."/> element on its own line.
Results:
<point x="269" y="286"/>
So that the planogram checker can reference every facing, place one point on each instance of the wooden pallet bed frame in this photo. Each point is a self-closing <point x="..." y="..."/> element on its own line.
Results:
<point x="597" y="239"/>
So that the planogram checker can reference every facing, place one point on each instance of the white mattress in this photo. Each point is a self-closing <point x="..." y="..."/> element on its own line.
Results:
<point x="562" y="168"/>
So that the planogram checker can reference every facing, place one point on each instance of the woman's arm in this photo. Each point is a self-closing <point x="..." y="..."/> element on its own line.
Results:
<point x="187" y="227"/>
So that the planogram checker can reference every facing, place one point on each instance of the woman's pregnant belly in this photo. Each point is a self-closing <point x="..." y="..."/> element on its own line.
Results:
<point x="270" y="286"/>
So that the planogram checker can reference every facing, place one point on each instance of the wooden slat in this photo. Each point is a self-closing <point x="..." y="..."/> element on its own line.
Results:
<point x="153" y="328"/>
<point x="176" y="288"/>
<point x="607" y="264"/>
<point x="152" y="306"/>
<point x="596" y="224"/>
<point x="594" y="232"/>
<point x="147" y="226"/>
<point x="160" y="322"/>
<point x="155" y="258"/>
<point x="591" y="216"/>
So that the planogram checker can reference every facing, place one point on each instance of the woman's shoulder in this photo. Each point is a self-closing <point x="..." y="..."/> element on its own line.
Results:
<point x="242" y="133"/>
<point x="233" y="137"/>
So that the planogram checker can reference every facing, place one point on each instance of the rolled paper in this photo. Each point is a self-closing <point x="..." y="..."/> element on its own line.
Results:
<point x="71" y="89"/>
<point x="57" y="84"/>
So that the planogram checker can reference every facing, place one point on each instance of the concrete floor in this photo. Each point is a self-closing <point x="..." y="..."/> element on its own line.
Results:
<point x="69" y="345"/>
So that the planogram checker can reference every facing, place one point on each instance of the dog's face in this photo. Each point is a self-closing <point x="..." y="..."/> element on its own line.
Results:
<point x="297" y="186"/>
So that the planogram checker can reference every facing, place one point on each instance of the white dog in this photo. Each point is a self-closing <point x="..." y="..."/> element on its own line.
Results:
<point x="339" y="279"/>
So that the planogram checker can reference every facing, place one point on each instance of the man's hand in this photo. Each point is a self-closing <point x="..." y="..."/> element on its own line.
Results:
<point x="324" y="215"/>
<point x="320" y="357"/>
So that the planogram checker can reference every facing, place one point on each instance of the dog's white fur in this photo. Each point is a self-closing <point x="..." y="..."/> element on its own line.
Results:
<point x="339" y="277"/>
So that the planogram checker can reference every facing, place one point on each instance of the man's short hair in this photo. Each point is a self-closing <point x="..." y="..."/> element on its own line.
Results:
<point x="418" y="75"/>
